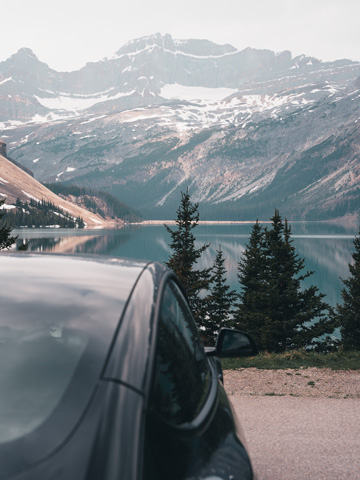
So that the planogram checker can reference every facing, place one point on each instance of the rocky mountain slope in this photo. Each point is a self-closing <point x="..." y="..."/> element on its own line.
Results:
<point x="15" y="184"/>
<point x="246" y="131"/>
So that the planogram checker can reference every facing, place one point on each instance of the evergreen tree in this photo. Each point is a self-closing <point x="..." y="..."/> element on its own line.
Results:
<point x="348" y="314"/>
<point x="250" y="314"/>
<point x="291" y="308"/>
<point x="285" y="316"/>
<point x="185" y="257"/>
<point x="6" y="240"/>
<point x="40" y="214"/>
<point x="219" y="301"/>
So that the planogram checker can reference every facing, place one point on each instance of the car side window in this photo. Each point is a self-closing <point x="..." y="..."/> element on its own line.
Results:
<point x="182" y="373"/>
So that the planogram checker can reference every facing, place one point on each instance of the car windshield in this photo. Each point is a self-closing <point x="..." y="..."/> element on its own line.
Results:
<point x="57" y="320"/>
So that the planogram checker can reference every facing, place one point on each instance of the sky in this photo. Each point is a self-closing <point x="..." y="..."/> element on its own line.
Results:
<point x="66" y="34"/>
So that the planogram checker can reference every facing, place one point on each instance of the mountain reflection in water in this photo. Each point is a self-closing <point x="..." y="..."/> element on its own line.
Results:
<point x="326" y="248"/>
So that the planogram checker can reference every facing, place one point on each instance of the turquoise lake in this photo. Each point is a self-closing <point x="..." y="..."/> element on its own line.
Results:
<point x="327" y="248"/>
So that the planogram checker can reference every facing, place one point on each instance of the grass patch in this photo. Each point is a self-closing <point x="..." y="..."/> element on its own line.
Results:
<point x="273" y="394"/>
<point x="295" y="359"/>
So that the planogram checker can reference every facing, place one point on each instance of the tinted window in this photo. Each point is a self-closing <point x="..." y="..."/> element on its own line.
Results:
<point x="182" y="374"/>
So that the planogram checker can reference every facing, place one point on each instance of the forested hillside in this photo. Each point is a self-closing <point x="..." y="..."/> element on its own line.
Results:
<point x="96" y="201"/>
<point x="41" y="214"/>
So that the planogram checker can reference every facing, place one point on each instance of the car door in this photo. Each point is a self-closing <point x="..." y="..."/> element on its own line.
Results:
<point x="190" y="430"/>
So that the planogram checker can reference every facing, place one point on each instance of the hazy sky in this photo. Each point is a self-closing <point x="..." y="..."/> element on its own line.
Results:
<point x="66" y="34"/>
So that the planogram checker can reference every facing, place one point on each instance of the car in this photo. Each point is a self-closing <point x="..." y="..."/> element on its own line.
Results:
<point x="104" y="376"/>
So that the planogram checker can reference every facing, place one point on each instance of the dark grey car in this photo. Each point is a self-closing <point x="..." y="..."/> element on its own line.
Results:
<point x="104" y="376"/>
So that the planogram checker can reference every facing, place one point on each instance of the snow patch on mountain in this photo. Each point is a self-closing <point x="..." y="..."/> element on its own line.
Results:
<point x="72" y="103"/>
<point x="50" y="117"/>
<point x="66" y="103"/>
<point x="30" y="196"/>
<point x="6" y="206"/>
<point x="6" y="80"/>
<point x="150" y="48"/>
<point x="176" y="91"/>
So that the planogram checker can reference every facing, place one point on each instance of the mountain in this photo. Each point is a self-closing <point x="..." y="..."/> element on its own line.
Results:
<point x="15" y="184"/>
<point x="246" y="131"/>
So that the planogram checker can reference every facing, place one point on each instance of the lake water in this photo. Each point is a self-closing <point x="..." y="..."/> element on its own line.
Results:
<point x="327" y="248"/>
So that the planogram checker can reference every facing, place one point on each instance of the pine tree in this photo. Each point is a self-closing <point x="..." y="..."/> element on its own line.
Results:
<point x="250" y="314"/>
<point x="5" y="232"/>
<point x="40" y="214"/>
<point x="219" y="301"/>
<point x="348" y="314"/>
<point x="185" y="256"/>
<point x="278" y="313"/>
<point x="291" y="307"/>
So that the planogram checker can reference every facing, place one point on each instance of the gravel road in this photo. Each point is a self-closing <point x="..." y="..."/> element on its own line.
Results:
<point x="302" y="436"/>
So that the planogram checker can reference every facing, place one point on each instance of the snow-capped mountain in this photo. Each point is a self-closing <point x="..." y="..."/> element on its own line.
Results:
<point x="247" y="130"/>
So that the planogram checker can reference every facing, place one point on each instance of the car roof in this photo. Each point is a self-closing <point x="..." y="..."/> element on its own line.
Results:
<point x="103" y="273"/>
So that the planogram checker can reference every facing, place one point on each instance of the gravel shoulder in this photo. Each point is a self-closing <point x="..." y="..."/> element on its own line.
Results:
<point x="299" y="423"/>
<point x="302" y="382"/>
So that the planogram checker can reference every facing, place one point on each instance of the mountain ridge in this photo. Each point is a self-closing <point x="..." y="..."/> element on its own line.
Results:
<point x="246" y="130"/>
<point x="141" y="67"/>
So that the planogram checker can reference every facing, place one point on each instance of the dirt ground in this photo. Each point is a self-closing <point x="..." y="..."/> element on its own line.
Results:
<point x="302" y="382"/>
<point x="299" y="424"/>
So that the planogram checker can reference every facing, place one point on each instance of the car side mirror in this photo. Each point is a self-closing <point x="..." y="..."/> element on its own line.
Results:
<point x="233" y="343"/>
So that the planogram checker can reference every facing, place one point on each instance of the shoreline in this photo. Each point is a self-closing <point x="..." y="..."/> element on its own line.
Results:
<point x="235" y="222"/>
